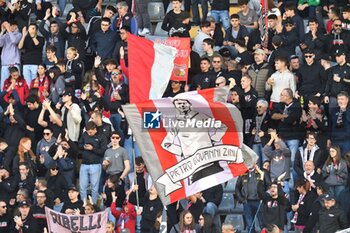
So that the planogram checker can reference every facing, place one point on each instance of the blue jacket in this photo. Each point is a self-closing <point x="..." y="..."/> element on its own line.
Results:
<point x="103" y="43"/>
<point x="10" y="54"/>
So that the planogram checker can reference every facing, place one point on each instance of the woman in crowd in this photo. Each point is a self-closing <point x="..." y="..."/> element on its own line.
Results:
<point x="335" y="171"/>
<point x="186" y="224"/>
<point x="303" y="206"/>
<point x="57" y="184"/>
<point x="206" y="224"/>
<point x="57" y="84"/>
<point x="25" y="154"/>
<point x="42" y="82"/>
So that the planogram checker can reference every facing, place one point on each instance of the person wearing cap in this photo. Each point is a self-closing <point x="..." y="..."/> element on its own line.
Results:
<point x="71" y="116"/>
<point x="92" y="147"/>
<point x="24" y="222"/>
<point x="289" y="36"/>
<point x="10" y="54"/>
<point x="331" y="217"/>
<point x="312" y="77"/>
<point x="260" y="71"/>
<point x="73" y="206"/>
<point x="290" y="12"/>
<point x="310" y="226"/>
<point x="338" y="78"/>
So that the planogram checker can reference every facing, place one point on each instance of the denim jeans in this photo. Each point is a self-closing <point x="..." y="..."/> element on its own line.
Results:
<point x="293" y="146"/>
<point x="212" y="209"/>
<point x="336" y="190"/>
<point x="89" y="176"/>
<point x="195" y="10"/>
<point x="222" y="16"/>
<point x="128" y="147"/>
<point x="5" y="73"/>
<point x="258" y="149"/>
<point x="29" y="73"/>
<point x="250" y="209"/>
<point x="62" y="5"/>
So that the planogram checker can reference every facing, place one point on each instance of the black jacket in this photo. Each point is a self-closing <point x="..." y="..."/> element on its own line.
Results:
<point x="242" y="33"/>
<point x="274" y="210"/>
<point x="333" y="88"/>
<point x="213" y="194"/>
<point x="333" y="219"/>
<point x="150" y="210"/>
<point x="305" y="208"/>
<point x="312" y="79"/>
<point x="299" y="164"/>
<point x="99" y="144"/>
<point x="203" y="80"/>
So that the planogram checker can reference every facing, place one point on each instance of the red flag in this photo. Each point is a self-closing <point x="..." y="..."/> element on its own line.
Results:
<point x="150" y="67"/>
<point x="191" y="142"/>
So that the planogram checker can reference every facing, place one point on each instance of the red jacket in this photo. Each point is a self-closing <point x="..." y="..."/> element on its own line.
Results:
<point x="21" y="88"/>
<point x="128" y="217"/>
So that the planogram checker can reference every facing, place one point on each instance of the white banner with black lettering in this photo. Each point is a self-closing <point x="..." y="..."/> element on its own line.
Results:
<point x="63" y="223"/>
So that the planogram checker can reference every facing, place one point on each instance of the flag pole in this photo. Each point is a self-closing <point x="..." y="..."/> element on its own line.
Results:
<point x="135" y="174"/>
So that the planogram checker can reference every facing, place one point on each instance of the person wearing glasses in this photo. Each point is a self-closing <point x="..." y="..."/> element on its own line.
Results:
<point x="103" y="42"/>
<point x="43" y="146"/>
<point x="337" y="38"/>
<point x="312" y="78"/>
<point x="24" y="221"/>
<point x="175" y="87"/>
<point x="338" y="79"/>
<point x="38" y="210"/>
<point x="5" y="217"/>
<point x="116" y="94"/>
<point x="116" y="159"/>
<point x="289" y="36"/>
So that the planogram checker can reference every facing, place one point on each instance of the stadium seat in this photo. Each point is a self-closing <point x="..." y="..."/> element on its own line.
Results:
<point x="236" y="220"/>
<point x="159" y="31"/>
<point x="156" y="11"/>
<point x="230" y="186"/>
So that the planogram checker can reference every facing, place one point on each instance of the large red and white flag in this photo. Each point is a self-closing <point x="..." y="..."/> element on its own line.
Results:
<point x="150" y="68"/>
<point x="190" y="142"/>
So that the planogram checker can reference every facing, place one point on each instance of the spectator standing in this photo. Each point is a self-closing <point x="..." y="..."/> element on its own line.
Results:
<point x="331" y="216"/>
<point x="33" y="45"/>
<point x="10" y="54"/>
<point x="92" y="147"/>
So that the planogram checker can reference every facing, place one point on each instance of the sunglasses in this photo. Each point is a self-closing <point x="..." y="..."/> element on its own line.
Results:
<point x="115" y="137"/>
<point x="289" y="25"/>
<point x="46" y="134"/>
<point x="115" y="73"/>
<point x="337" y="25"/>
<point x="308" y="56"/>
<point x="54" y="169"/>
<point x="216" y="61"/>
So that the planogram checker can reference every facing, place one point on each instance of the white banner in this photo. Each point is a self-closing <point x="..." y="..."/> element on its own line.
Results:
<point x="189" y="166"/>
<point x="63" y="223"/>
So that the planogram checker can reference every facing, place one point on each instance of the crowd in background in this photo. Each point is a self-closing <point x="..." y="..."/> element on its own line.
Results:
<point x="65" y="143"/>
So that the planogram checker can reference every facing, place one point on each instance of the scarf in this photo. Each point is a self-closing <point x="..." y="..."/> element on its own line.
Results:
<point x="308" y="177"/>
<point x="305" y="156"/>
<point x="258" y="122"/>
<point x="45" y="82"/>
<point x="295" y="217"/>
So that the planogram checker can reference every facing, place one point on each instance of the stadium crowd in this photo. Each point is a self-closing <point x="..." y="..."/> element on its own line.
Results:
<point x="65" y="143"/>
